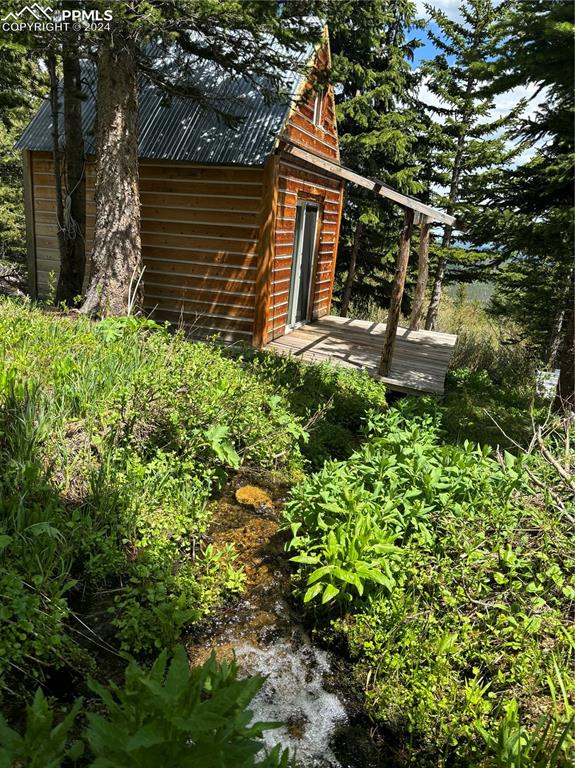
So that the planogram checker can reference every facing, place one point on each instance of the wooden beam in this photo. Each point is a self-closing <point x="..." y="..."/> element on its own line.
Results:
<point x="396" y="294"/>
<point x="422" y="275"/>
<point x="335" y="250"/>
<point x="266" y="248"/>
<point x="372" y="184"/>
<point x="30" y="226"/>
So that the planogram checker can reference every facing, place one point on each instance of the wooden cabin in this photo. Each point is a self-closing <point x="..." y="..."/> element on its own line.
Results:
<point x="240" y="225"/>
<point x="238" y="237"/>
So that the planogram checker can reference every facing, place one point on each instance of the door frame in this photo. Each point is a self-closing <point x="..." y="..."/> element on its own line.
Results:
<point x="303" y="201"/>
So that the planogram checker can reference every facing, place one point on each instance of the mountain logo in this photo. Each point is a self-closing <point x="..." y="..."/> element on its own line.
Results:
<point x="39" y="12"/>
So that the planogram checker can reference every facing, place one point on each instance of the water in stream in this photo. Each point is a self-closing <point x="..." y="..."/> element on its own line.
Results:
<point x="264" y="632"/>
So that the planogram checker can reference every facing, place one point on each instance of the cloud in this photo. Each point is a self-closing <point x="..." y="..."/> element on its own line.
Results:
<point x="449" y="7"/>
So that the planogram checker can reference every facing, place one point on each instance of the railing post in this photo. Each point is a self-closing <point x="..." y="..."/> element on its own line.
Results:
<point x="422" y="275"/>
<point x="397" y="293"/>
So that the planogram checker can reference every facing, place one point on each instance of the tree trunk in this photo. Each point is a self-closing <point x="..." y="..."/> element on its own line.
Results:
<point x="422" y="274"/>
<point x="396" y="294"/>
<point x="56" y="154"/>
<point x="116" y="260"/>
<point x="351" y="270"/>
<point x="565" y="397"/>
<point x="73" y="222"/>
<point x="556" y="331"/>
<point x="436" y="292"/>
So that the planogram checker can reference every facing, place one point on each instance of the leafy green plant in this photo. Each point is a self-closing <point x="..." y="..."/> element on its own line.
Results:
<point x="513" y="746"/>
<point x="43" y="744"/>
<point x="167" y="715"/>
<point x="480" y="595"/>
<point x="172" y="715"/>
<point x="354" y="552"/>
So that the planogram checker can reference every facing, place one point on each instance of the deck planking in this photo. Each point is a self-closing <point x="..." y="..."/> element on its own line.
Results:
<point x="420" y="358"/>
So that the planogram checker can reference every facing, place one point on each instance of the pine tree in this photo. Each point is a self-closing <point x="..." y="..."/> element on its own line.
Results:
<point x="469" y="145"/>
<point x="379" y="130"/>
<point x="21" y="80"/>
<point x="531" y="221"/>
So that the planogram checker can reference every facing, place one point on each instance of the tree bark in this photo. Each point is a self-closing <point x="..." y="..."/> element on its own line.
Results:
<point x="73" y="222"/>
<point x="56" y="154"/>
<point x="346" y="298"/>
<point x="422" y="275"/>
<point x="396" y="294"/>
<point x="565" y="397"/>
<point x="116" y="261"/>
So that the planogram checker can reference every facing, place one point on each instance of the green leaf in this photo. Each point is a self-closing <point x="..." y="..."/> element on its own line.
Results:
<point x="312" y="592"/>
<point x="329" y="593"/>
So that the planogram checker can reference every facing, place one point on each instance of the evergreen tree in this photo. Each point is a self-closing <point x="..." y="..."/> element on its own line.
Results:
<point x="21" y="79"/>
<point x="531" y="219"/>
<point x="379" y="130"/>
<point x="469" y="146"/>
<point x="55" y="52"/>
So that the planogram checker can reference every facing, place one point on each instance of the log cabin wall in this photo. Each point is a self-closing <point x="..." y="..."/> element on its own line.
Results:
<point x="200" y="228"/>
<point x="300" y="182"/>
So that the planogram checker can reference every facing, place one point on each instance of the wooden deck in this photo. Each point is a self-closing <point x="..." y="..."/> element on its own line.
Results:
<point x="420" y="358"/>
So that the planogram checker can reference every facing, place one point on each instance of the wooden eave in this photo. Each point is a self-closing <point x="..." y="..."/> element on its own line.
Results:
<point x="424" y="211"/>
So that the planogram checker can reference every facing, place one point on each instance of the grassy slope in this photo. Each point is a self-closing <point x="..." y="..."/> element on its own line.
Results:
<point x="113" y="437"/>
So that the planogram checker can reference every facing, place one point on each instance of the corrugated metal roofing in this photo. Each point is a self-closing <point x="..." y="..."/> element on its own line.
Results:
<point x="180" y="128"/>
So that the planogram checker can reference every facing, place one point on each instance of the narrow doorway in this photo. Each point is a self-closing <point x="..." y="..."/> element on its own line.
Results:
<point x="302" y="263"/>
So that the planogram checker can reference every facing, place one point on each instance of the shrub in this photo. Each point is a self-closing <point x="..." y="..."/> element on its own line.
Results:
<point x="472" y="601"/>
<point x="169" y="715"/>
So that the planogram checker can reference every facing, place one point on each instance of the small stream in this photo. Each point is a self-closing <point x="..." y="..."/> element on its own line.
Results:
<point x="306" y="687"/>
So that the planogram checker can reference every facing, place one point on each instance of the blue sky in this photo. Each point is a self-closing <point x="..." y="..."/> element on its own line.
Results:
<point x="426" y="51"/>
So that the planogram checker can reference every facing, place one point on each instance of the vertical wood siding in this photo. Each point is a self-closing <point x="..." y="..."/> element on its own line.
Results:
<point x="200" y="229"/>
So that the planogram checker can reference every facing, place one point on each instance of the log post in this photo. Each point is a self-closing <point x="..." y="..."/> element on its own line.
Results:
<point x="422" y="275"/>
<point x="396" y="293"/>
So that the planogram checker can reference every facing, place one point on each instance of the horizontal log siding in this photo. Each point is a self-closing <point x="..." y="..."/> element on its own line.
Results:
<point x="298" y="182"/>
<point x="200" y="229"/>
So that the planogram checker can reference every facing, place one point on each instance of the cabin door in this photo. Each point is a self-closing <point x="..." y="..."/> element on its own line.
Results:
<point x="302" y="263"/>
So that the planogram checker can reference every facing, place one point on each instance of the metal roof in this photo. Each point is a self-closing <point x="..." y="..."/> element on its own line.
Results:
<point x="176" y="128"/>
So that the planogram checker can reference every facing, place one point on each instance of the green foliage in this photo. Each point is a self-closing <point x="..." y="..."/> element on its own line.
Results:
<point x="177" y="716"/>
<point x="43" y="744"/>
<point x="332" y="400"/>
<point x="529" y="213"/>
<point x="474" y="585"/>
<point x="34" y="552"/>
<point x="481" y="409"/>
<point x="512" y="746"/>
<point x="379" y="125"/>
<point x="352" y="548"/>
<point x="20" y="76"/>
<point x="113" y="437"/>
<point x="168" y="715"/>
